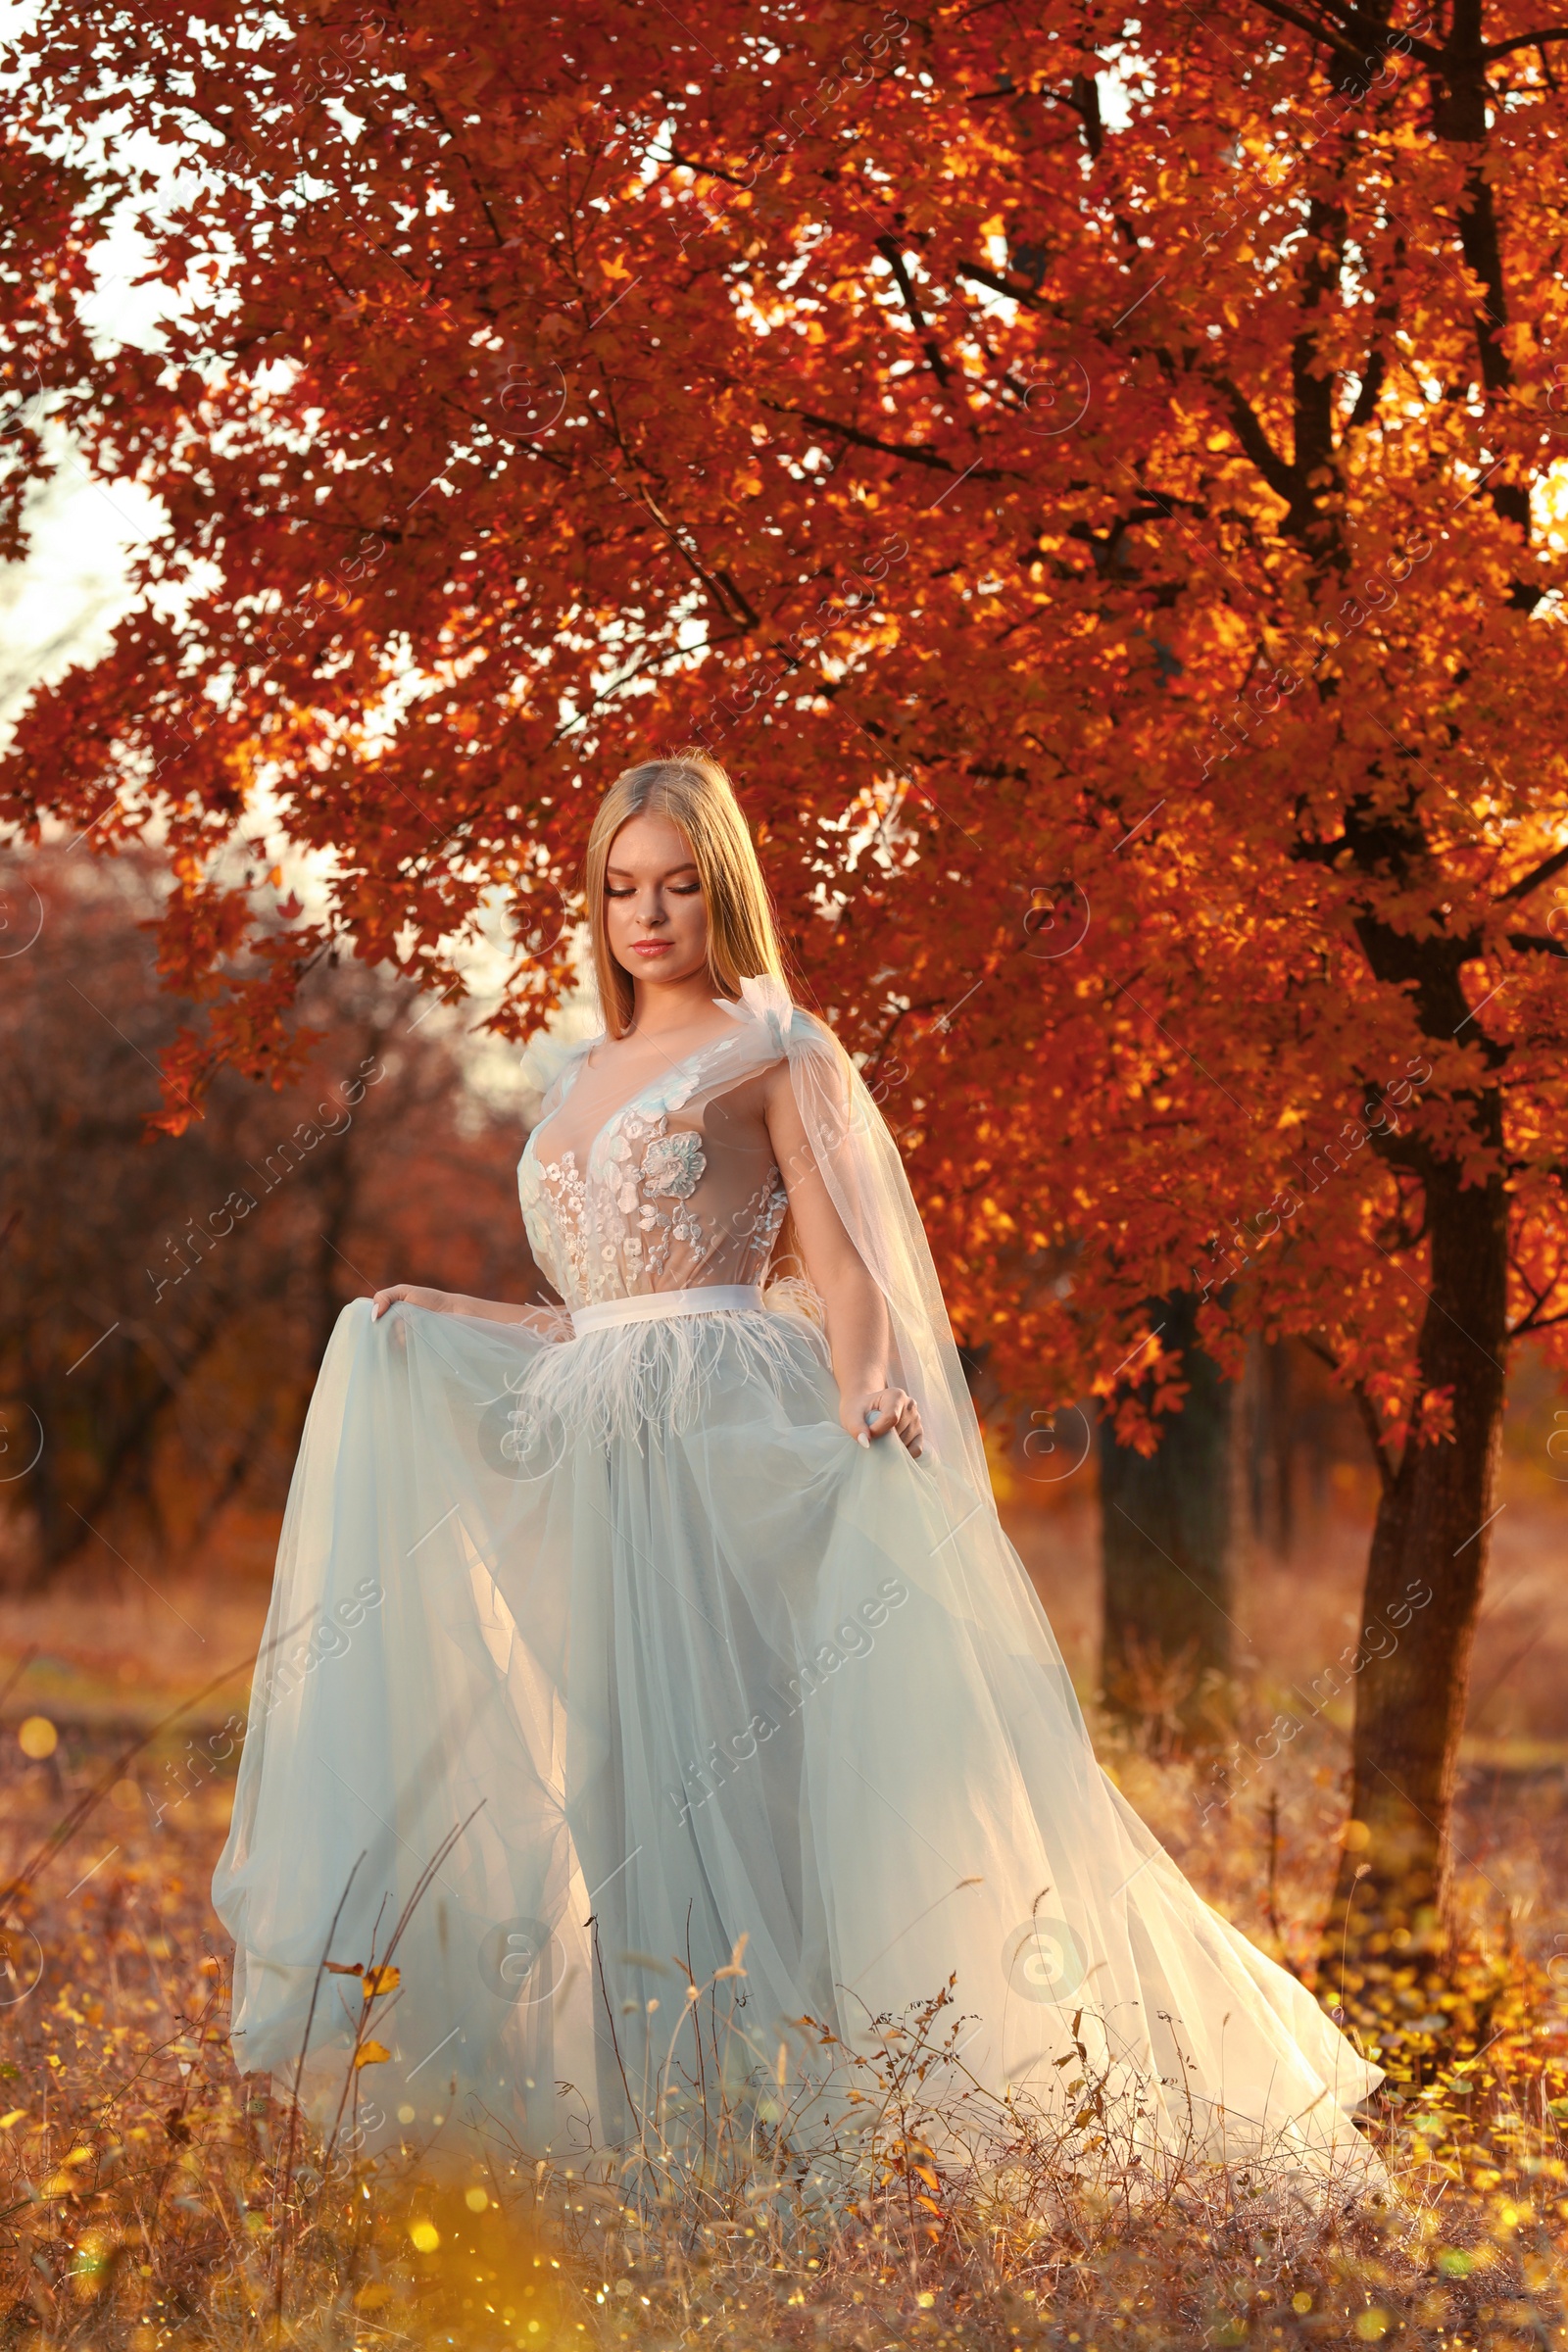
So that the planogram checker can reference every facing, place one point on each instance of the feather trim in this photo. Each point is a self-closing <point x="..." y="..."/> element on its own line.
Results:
<point x="635" y="1378"/>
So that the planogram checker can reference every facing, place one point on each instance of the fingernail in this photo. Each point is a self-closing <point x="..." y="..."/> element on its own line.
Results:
<point x="864" y="1437"/>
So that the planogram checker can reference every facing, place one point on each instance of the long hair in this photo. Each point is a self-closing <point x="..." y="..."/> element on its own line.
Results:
<point x="695" y="794"/>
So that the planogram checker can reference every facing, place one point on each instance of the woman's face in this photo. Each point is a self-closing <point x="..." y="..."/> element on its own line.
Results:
<point x="653" y="910"/>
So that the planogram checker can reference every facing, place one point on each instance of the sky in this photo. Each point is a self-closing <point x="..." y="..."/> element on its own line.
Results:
<point x="60" y="607"/>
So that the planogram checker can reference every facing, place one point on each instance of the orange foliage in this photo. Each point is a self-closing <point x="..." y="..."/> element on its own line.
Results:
<point x="1103" y="553"/>
<point x="1102" y="491"/>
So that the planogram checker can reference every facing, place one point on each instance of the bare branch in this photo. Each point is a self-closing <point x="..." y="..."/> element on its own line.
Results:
<point x="1280" y="478"/>
<point x="1524" y="41"/>
<point x="691" y="163"/>
<point x="1001" y="286"/>
<point x="914" y="453"/>
<point x="1366" y="400"/>
<point x="1364" y="1405"/>
<point x="1534" y="1322"/>
<point x="1352" y="34"/>
<point x="1534" y="878"/>
<point x="888" y="248"/>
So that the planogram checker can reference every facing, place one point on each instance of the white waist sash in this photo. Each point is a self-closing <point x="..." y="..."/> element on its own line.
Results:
<point x="719" y="1298"/>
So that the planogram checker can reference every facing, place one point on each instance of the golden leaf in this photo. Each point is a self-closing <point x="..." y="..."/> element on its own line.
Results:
<point x="370" y="2053"/>
<point x="381" y="1980"/>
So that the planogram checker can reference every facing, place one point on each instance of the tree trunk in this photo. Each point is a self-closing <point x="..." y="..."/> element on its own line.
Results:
<point x="1167" y="1526"/>
<point x="1270" y="1445"/>
<point x="1423" y="1596"/>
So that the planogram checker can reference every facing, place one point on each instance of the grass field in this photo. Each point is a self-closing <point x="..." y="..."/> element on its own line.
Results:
<point x="149" y="2196"/>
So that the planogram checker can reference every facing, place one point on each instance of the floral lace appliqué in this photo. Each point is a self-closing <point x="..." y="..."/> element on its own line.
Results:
<point x="673" y="1166"/>
<point x="648" y="1210"/>
<point x="554" y="1201"/>
<point x="646" y="1164"/>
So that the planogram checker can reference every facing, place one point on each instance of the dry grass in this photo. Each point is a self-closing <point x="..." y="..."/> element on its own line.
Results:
<point x="146" y="2199"/>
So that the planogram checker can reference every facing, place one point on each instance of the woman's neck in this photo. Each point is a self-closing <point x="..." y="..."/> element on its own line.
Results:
<point x="661" y="1008"/>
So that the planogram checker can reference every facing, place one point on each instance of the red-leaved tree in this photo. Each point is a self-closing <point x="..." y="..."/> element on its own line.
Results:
<point x="1099" y="486"/>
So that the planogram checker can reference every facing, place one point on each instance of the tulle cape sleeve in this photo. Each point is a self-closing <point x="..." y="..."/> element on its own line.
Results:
<point x="546" y="1066"/>
<point x="859" y="1162"/>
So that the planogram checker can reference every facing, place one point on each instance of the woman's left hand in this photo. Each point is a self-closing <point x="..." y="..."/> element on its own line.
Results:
<point x="410" y="1294"/>
<point x="880" y="1411"/>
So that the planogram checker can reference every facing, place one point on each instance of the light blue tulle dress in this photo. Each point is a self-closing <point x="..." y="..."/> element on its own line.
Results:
<point x="598" y="1649"/>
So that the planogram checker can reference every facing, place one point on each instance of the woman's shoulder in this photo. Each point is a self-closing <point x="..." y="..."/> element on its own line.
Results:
<point x="767" y="1000"/>
<point x="810" y="1029"/>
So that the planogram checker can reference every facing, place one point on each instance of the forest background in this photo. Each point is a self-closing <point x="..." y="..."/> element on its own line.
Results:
<point x="1124" y="566"/>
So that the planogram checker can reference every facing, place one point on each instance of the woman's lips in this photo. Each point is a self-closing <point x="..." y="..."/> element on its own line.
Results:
<point x="651" y="947"/>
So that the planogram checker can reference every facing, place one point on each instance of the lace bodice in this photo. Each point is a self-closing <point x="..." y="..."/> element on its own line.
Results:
<point x="674" y="1190"/>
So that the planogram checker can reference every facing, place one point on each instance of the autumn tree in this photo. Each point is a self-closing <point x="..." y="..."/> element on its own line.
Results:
<point x="1168" y="1546"/>
<point x="163" y="1310"/>
<point x="1099" y="484"/>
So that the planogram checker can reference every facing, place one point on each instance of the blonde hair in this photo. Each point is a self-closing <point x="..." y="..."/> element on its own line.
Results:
<point x="695" y="794"/>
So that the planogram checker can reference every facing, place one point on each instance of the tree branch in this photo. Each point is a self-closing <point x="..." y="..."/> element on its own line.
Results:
<point x="1533" y="880"/>
<point x="1280" y="478"/>
<point x="1025" y="295"/>
<point x="1524" y="41"/>
<point x="1364" y="1405"/>
<point x="688" y="163"/>
<point x="888" y="248"/>
<point x="1314" y="32"/>
<point x="1366" y="400"/>
<point x="1357" y="29"/>
<point x="1374" y="1435"/>
<point x="914" y="453"/>
<point x="1534" y="1320"/>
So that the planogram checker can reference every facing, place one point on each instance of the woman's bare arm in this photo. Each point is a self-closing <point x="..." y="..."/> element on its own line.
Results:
<point x="858" y="1328"/>
<point x="546" y="1321"/>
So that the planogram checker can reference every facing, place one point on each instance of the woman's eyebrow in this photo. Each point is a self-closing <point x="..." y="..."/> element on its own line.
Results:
<point x="620" y="873"/>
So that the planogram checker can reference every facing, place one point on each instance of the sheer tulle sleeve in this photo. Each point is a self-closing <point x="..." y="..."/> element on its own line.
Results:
<point x="546" y="1066"/>
<point x="860" y="1164"/>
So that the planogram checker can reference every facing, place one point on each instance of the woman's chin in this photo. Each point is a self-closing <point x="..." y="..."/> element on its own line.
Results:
<point x="663" y="970"/>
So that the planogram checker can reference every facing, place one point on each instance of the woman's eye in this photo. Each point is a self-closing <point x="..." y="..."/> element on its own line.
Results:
<point x="687" y="890"/>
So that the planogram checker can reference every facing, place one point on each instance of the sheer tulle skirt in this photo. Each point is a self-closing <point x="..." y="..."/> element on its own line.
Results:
<point x="587" y="1661"/>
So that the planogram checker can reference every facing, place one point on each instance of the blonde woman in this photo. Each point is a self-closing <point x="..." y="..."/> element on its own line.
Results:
<point x="671" y="1630"/>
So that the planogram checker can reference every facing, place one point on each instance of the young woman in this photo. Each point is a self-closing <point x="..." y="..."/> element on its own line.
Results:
<point x="611" y="1637"/>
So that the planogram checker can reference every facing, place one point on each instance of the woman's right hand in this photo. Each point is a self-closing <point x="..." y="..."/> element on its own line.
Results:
<point x="439" y="1302"/>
